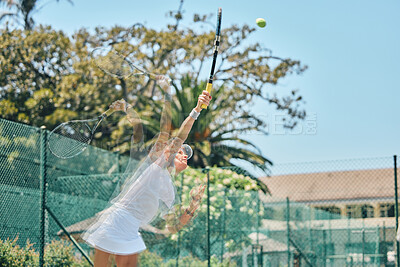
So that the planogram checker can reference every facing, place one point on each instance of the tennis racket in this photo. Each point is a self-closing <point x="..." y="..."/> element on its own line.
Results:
<point x="117" y="65"/>
<point x="216" y="46"/>
<point x="69" y="139"/>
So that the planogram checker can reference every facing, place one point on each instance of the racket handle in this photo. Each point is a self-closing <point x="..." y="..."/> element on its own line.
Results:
<point x="152" y="76"/>
<point x="107" y="113"/>
<point x="208" y="89"/>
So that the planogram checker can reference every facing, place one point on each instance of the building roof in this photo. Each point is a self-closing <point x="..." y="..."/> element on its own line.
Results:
<point x="333" y="186"/>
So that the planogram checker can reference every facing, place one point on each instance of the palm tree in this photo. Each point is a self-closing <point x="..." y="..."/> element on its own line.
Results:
<point x="215" y="135"/>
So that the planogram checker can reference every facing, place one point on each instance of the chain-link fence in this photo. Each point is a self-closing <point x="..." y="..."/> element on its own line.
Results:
<point x="338" y="213"/>
<point x="24" y="166"/>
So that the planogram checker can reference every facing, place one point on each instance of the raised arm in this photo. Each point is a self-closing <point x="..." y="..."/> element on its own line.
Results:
<point x="176" y="222"/>
<point x="165" y="122"/>
<point x="187" y="124"/>
<point x="133" y="118"/>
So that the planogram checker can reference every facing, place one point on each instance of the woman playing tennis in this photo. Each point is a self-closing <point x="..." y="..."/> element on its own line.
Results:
<point x="148" y="191"/>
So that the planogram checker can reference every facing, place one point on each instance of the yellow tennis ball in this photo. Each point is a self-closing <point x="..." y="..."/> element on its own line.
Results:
<point x="261" y="22"/>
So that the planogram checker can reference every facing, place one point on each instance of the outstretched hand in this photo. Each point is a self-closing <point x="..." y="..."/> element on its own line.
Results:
<point x="196" y="194"/>
<point x="164" y="83"/>
<point x="119" y="105"/>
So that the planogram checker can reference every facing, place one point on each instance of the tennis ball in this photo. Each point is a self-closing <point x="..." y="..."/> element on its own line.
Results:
<point x="261" y="22"/>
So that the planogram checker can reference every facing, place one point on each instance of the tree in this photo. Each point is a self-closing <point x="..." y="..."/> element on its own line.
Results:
<point x="22" y="10"/>
<point x="48" y="77"/>
<point x="243" y="75"/>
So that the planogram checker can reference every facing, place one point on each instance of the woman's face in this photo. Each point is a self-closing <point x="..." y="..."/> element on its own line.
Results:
<point x="180" y="161"/>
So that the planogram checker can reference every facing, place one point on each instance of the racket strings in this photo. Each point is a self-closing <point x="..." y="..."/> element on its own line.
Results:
<point x="113" y="64"/>
<point x="69" y="139"/>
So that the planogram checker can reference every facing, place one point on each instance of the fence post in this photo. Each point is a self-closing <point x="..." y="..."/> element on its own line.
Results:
<point x="363" y="246"/>
<point x="208" y="219"/>
<point x="384" y="244"/>
<point x="324" y="240"/>
<point x="288" y="229"/>
<point x="223" y="215"/>
<point x="43" y="185"/>
<point x="310" y="234"/>
<point x="377" y="259"/>
<point x="396" y="210"/>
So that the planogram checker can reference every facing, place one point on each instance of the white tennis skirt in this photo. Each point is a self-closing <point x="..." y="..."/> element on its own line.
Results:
<point x="116" y="232"/>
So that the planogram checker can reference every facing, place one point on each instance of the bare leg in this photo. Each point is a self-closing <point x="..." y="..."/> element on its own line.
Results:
<point x="127" y="260"/>
<point x="101" y="258"/>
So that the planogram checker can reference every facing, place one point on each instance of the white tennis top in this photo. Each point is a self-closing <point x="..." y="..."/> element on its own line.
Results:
<point x="144" y="196"/>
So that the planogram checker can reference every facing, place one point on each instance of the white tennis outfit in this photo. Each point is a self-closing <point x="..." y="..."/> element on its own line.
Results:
<point x="117" y="229"/>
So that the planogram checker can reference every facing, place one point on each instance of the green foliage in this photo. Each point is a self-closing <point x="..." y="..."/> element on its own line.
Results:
<point x="33" y="64"/>
<point x="147" y="258"/>
<point x="47" y="78"/>
<point x="13" y="255"/>
<point x="235" y="212"/>
<point x="61" y="253"/>
<point x="57" y="253"/>
<point x="189" y="261"/>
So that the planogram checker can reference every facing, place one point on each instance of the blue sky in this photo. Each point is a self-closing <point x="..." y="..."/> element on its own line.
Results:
<point x="351" y="48"/>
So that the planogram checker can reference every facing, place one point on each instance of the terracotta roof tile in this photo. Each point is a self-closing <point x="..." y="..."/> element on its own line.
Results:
<point x="340" y="185"/>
